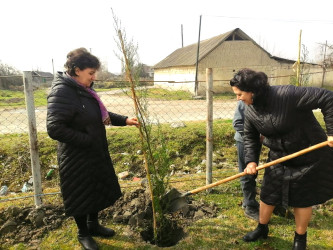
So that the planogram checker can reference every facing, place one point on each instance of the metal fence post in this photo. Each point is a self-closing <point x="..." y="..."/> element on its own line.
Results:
<point x="35" y="166"/>
<point x="209" y="127"/>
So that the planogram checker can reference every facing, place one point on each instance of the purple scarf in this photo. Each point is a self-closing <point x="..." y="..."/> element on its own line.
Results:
<point x="105" y="114"/>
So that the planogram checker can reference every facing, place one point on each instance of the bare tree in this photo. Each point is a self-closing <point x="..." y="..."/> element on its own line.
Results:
<point x="9" y="76"/>
<point x="325" y="55"/>
<point x="7" y="70"/>
<point x="104" y="74"/>
<point x="304" y="69"/>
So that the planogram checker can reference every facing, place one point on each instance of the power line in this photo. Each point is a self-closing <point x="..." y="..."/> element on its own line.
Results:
<point x="275" y="20"/>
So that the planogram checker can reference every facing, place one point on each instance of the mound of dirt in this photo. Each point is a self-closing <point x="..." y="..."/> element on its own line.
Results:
<point x="28" y="224"/>
<point x="134" y="209"/>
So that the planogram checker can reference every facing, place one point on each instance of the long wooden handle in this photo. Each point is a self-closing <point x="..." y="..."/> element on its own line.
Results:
<point x="271" y="163"/>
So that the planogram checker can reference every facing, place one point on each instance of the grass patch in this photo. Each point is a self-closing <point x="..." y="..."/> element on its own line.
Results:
<point x="187" y="146"/>
<point x="224" y="96"/>
<point x="328" y="87"/>
<point x="223" y="232"/>
<point x="161" y="94"/>
<point x="16" y="99"/>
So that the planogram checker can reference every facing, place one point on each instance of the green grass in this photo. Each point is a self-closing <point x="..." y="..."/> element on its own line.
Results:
<point x="328" y="87"/>
<point x="224" y="96"/>
<point x="187" y="146"/>
<point x="161" y="94"/>
<point x="184" y="144"/>
<point x="223" y="232"/>
<point x="165" y="94"/>
<point x="16" y="99"/>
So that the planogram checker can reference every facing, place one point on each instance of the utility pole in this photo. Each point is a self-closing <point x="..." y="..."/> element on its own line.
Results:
<point x="197" y="62"/>
<point x="324" y="66"/>
<point x="53" y="68"/>
<point x="298" y="59"/>
<point x="182" y="35"/>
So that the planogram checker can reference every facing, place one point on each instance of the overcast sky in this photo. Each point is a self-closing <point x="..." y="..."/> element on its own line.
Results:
<point x="35" y="32"/>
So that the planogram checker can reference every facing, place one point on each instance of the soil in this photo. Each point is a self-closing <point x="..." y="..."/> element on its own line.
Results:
<point x="28" y="224"/>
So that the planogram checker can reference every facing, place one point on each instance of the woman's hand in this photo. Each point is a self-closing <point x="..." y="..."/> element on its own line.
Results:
<point x="251" y="168"/>
<point x="132" y="121"/>
<point x="330" y="140"/>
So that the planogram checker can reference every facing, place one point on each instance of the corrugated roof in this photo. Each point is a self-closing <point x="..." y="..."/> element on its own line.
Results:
<point x="187" y="56"/>
<point x="42" y="74"/>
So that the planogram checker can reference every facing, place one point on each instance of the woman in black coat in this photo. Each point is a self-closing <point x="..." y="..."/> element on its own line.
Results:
<point x="76" y="118"/>
<point x="284" y="116"/>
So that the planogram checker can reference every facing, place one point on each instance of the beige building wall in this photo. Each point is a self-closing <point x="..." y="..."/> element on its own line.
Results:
<point x="232" y="56"/>
<point x="329" y="78"/>
<point x="226" y="60"/>
<point x="176" y="78"/>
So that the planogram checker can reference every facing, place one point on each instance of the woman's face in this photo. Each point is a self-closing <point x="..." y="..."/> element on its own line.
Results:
<point x="244" y="96"/>
<point x="85" y="77"/>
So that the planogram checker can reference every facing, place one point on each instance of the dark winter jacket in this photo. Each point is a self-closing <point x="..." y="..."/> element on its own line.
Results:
<point x="287" y="121"/>
<point x="87" y="177"/>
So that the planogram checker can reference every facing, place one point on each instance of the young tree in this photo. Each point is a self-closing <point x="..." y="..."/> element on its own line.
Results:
<point x="153" y="143"/>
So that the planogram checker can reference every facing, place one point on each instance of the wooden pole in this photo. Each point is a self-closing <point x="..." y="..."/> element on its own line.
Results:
<point x="209" y="127"/>
<point x="35" y="166"/>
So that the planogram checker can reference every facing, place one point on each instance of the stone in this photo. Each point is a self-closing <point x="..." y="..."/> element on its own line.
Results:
<point x="123" y="175"/>
<point x="8" y="227"/>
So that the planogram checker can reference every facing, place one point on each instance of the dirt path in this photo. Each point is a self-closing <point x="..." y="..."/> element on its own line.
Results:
<point x="15" y="120"/>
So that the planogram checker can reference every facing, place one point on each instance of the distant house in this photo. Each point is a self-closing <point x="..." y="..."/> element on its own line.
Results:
<point x="148" y="71"/>
<point x="40" y="78"/>
<point x="225" y="54"/>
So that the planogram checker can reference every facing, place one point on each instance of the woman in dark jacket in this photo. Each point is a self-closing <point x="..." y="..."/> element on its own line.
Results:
<point x="76" y="118"/>
<point x="284" y="116"/>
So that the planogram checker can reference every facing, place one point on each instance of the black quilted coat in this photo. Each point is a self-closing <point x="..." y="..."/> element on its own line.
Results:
<point x="87" y="177"/>
<point x="285" y="117"/>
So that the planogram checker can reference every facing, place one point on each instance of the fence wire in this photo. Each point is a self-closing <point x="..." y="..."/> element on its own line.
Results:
<point x="164" y="106"/>
<point x="163" y="110"/>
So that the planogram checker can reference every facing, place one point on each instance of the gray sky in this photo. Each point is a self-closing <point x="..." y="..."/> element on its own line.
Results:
<point x="33" y="32"/>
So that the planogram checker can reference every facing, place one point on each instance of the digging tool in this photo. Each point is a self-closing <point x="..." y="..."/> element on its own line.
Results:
<point x="175" y="200"/>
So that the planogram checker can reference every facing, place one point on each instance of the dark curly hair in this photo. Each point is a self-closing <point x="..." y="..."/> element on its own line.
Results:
<point x="82" y="59"/>
<point x="249" y="80"/>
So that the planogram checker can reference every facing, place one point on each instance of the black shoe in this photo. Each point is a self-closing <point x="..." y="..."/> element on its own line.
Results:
<point x="299" y="241"/>
<point x="252" y="213"/>
<point x="95" y="229"/>
<point x="87" y="242"/>
<point x="260" y="232"/>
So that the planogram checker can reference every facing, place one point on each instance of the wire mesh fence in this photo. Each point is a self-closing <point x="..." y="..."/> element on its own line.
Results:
<point x="13" y="118"/>
<point x="164" y="105"/>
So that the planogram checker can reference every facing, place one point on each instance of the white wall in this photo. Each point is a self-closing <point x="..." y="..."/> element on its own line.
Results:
<point x="175" y="78"/>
